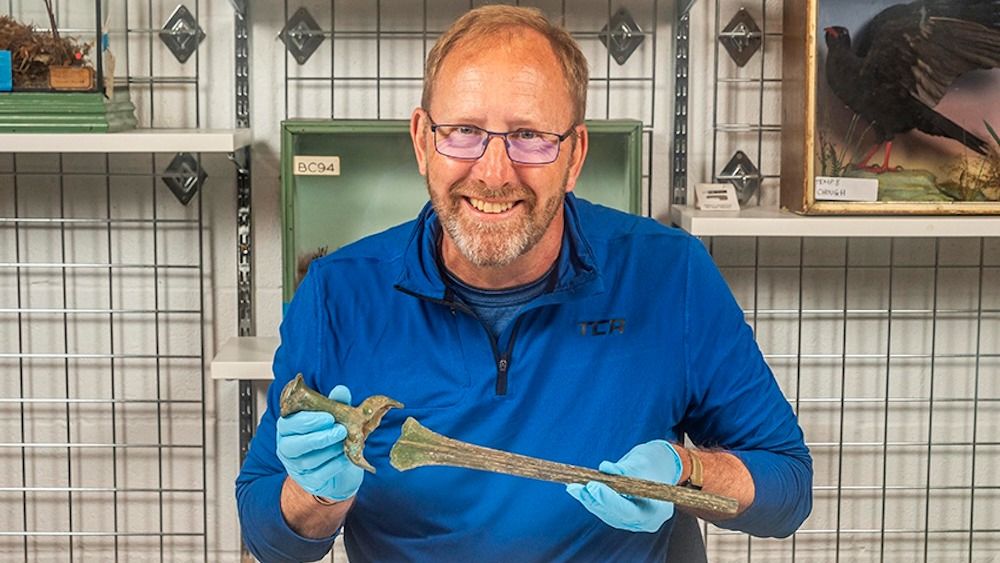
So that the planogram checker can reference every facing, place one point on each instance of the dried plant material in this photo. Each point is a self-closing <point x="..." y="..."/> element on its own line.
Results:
<point x="52" y="19"/>
<point x="304" y="262"/>
<point x="33" y="52"/>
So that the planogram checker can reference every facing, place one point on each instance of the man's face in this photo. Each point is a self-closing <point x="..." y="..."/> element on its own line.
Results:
<point x="495" y="210"/>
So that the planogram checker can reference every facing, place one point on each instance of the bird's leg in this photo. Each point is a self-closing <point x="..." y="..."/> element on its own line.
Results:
<point x="863" y="165"/>
<point x="885" y="161"/>
<point x="874" y="168"/>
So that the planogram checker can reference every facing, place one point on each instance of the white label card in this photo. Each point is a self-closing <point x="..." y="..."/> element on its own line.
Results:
<point x="716" y="197"/>
<point x="827" y="188"/>
<point x="316" y="165"/>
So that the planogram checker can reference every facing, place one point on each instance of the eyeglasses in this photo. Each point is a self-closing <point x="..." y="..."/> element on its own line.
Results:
<point x="524" y="146"/>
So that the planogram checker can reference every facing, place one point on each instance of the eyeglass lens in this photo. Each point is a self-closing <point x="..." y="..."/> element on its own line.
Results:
<point x="529" y="147"/>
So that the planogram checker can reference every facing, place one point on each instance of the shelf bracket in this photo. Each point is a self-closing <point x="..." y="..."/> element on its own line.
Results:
<point x="245" y="323"/>
<point x="241" y="8"/>
<point x="240" y="159"/>
<point x="679" y="173"/>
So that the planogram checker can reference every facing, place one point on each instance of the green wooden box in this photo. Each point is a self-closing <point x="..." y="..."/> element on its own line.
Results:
<point x="66" y="112"/>
<point x="378" y="186"/>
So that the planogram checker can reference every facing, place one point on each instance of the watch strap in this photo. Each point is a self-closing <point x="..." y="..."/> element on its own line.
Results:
<point x="695" y="479"/>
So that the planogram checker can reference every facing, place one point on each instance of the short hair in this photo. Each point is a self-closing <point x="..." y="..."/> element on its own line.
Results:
<point x="488" y="20"/>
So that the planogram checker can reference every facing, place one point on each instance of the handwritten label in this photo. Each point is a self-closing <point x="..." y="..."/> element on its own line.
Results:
<point x="716" y="197"/>
<point x="71" y="77"/>
<point x="827" y="188"/>
<point x="316" y="166"/>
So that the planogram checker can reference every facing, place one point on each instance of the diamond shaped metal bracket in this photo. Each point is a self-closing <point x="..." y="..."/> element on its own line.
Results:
<point x="301" y="35"/>
<point x="184" y="175"/>
<point x="624" y="36"/>
<point x="741" y="37"/>
<point x="182" y="34"/>
<point x="743" y="175"/>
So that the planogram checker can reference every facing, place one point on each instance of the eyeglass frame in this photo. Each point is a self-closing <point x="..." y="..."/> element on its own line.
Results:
<point x="502" y="134"/>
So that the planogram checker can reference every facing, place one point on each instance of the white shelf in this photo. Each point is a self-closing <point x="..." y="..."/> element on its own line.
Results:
<point x="245" y="357"/>
<point x="761" y="222"/>
<point x="135" y="141"/>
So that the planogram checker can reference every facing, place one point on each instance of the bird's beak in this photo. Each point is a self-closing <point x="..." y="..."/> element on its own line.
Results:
<point x="830" y="31"/>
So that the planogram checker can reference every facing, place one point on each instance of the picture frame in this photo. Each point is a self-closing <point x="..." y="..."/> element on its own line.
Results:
<point x="825" y="139"/>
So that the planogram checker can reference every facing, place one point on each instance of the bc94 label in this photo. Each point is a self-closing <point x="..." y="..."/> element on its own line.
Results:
<point x="316" y="166"/>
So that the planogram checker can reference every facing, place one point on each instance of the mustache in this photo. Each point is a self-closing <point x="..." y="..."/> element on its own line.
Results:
<point x="480" y="191"/>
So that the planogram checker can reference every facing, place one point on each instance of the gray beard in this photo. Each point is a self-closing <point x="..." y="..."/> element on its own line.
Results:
<point x="493" y="246"/>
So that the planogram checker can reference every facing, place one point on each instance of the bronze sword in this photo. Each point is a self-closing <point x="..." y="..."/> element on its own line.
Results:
<point x="418" y="446"/>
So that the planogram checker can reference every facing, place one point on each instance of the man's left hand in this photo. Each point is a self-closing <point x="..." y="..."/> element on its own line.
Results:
<point x="656" y="461"/>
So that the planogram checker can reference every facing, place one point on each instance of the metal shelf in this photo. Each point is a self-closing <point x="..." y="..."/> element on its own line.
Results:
<point x="761" y="222"/>
<point x="135" y="141"/>
<point x="245" y="358"/>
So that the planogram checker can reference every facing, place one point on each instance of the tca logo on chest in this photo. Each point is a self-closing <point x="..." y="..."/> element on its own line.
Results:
<point x="602" y="327"/>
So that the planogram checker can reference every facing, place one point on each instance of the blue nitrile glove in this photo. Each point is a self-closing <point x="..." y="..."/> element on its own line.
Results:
<point x="311" y="447"/>
<point x="654" y="461"/>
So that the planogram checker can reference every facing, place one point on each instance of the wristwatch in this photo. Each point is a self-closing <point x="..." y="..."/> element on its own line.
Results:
<point x="694" y="480"/>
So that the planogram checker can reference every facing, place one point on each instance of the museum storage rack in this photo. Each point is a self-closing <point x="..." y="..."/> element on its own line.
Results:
<point x="881" y="331"/>
<point x="103" y="308"/>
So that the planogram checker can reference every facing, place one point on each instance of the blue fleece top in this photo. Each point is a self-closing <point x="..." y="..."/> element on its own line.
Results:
<point x="638" y="339"/>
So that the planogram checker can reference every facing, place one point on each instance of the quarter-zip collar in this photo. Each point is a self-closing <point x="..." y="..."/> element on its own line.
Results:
<point x="577" y="275"/>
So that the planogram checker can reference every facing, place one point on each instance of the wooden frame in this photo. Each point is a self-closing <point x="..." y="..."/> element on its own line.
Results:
<point x="802" y="100"/>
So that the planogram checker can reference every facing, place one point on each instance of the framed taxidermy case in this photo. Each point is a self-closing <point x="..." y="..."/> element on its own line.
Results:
<point x="891" y="107"/>
<point x="62" y="74"/>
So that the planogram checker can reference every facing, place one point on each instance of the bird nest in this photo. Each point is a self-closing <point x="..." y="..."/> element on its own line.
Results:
<point x="33" y="52"/>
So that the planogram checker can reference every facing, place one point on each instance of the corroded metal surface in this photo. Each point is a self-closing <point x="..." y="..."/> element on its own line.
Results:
<point x="417" y="446"/>
<point x="360" y="421"/>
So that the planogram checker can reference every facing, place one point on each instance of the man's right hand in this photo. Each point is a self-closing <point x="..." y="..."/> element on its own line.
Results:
<point x="310" y="445"/>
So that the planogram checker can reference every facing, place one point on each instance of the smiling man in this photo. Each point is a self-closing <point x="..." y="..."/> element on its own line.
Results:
<point x="507" y="145"/>
<point x="476" y="316"/>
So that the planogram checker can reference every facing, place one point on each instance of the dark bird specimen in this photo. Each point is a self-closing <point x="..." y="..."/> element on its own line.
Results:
<point x="904" y="62"/>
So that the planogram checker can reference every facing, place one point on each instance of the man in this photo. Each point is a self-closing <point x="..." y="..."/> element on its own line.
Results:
<point x="513" y="315"/>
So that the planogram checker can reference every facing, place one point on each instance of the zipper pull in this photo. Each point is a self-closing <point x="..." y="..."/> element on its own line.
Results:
<point x="502" y="364"/>
<point x="449" y="298"/>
